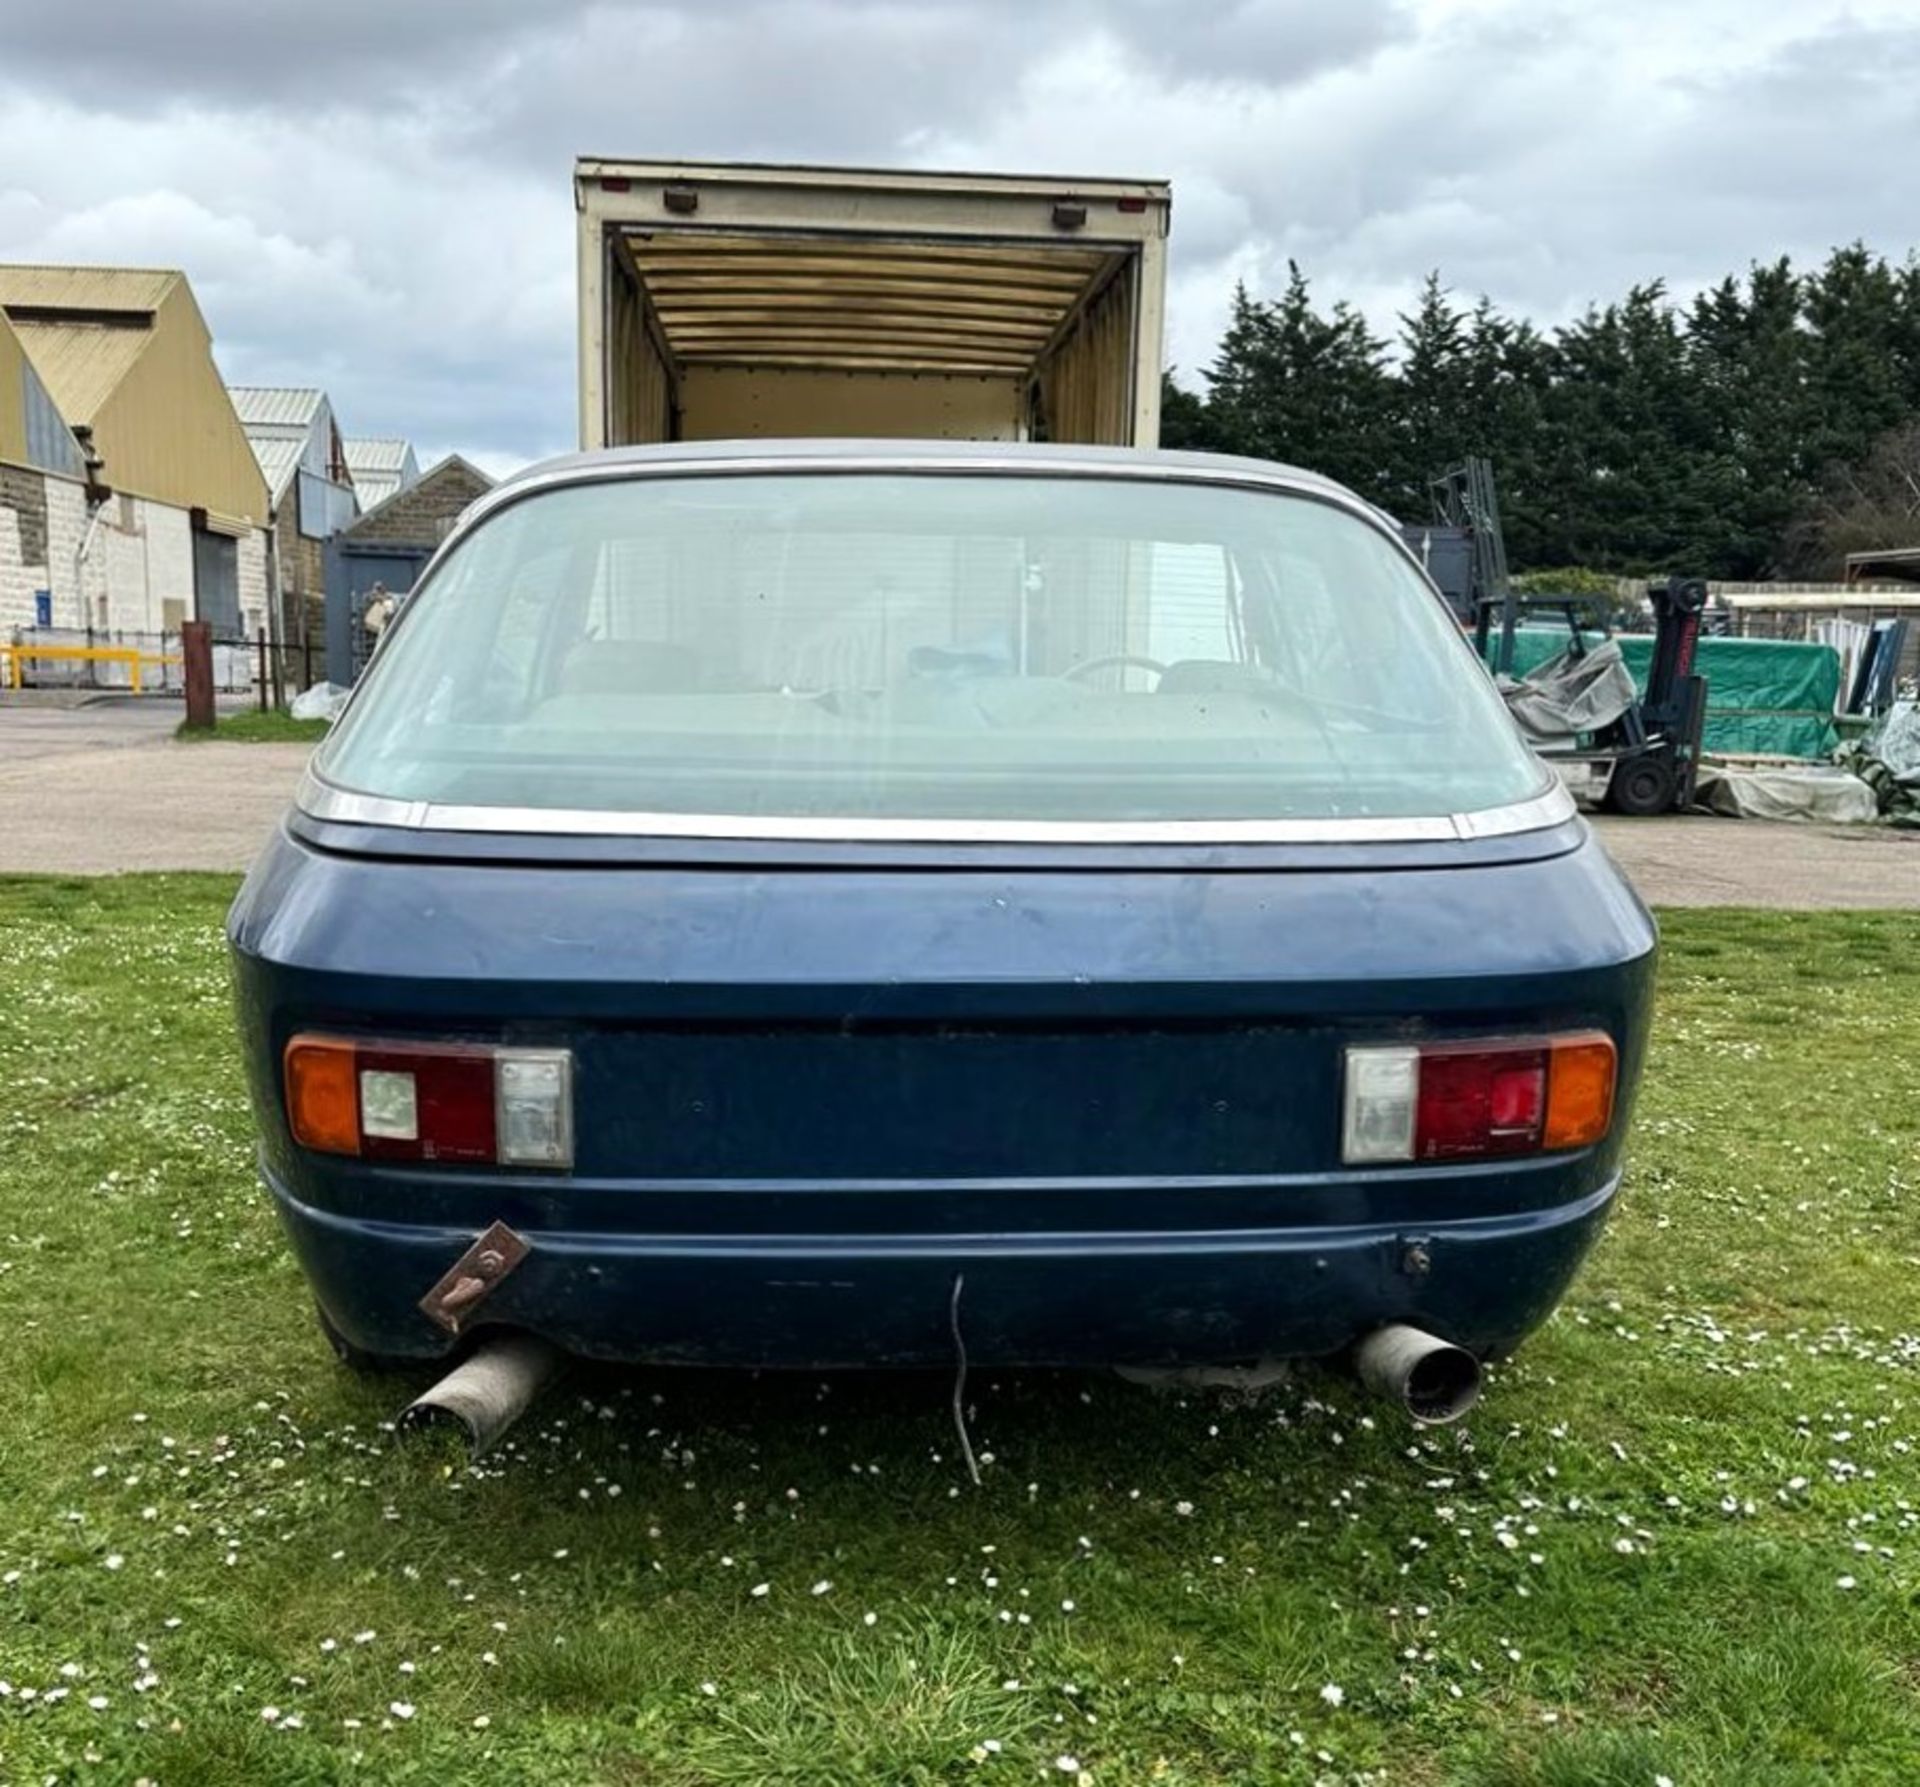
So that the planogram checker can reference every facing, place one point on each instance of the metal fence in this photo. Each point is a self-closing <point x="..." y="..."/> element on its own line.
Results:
<point x="93" y="658"/>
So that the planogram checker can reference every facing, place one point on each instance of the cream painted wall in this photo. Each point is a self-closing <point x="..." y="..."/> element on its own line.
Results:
<point x="138" y="576"/>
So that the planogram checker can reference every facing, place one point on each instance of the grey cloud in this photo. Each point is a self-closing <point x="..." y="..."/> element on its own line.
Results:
<point x="865" y="70"/>
<point x="1528" y="162"/>
<point x="146" y="54"/>
<point x="373" y="195"/>
<point x="856" y="79"/>
<point x="1270" y="42"/>
<point x="749" y="80"/>
<point x="1827" y="128"/>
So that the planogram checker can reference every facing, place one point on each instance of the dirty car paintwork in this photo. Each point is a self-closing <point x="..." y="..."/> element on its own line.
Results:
<point x="812" y="1091"/>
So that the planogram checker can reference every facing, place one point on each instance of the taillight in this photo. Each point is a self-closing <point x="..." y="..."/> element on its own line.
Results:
<point x="431" y="1101"/>
<point x="1477" y="1100"/>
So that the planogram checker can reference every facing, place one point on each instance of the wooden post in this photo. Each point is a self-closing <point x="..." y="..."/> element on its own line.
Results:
<point x="196" y="653"/>
<point x="260" y="645"/>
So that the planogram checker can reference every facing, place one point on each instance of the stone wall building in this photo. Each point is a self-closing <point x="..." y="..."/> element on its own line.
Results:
<point x="424" y="512"/>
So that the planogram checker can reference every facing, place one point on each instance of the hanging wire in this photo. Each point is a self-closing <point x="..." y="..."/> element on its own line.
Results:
<point x="960" y="1381"/>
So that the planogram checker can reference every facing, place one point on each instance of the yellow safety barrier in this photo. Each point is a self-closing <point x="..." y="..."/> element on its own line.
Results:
<point x="128" y="655"/>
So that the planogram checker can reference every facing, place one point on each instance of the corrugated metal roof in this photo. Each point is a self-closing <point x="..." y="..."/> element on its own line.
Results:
<point x="276" y="406"/>
<point x="380" y="465"/>
<point x="279" y="457"/>
<point x="87" y="288"/>
<point x="81" y="363"/>
<point x="279" y="421"/>
<point x="377" y="453"/>
<point x="373" y="488"/>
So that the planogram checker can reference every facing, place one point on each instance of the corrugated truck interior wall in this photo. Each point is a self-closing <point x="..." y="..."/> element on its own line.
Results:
<point x="1086" y="393"/>
<point x="640" y="394"/>
<point x="744" y="402"/>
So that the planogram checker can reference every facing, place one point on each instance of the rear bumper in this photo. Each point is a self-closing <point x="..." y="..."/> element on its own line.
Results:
<point x="1154" y="1298"/>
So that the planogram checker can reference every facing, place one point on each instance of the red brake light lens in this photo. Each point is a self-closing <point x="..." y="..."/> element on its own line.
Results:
<point x="1478" y="1100"/>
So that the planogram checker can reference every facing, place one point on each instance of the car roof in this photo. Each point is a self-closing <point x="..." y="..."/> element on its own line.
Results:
<point x="919" y="455"/>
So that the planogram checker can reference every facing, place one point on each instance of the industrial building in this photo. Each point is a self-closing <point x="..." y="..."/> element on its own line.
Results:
<point x="130" y="500"/>
<point x="302" y="455"/>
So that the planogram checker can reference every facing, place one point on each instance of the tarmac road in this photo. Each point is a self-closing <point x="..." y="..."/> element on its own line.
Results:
<point x="104" y="789"/>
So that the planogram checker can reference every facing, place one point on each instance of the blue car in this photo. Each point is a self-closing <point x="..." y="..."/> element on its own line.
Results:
<point x="828" y="903"/>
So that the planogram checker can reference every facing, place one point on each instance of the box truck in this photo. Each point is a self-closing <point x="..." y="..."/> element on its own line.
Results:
<point x="730" y="301"/>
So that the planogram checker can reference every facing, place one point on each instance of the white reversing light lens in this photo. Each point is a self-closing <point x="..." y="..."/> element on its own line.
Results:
<point x="389" y="1107"/>
<point x="1383" y="1088"/>
<point x="533" y="1107"/>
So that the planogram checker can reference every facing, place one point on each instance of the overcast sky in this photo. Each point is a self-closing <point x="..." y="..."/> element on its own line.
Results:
<point x="373" y="195"/>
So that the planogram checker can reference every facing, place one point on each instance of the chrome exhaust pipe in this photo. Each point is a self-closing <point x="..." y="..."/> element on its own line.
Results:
<point x="1432" y="1379"/>
<point x="488" y="1390"/>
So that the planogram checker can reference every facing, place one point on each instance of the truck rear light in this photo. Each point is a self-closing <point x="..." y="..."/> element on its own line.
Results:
<point x="446" y="1102"/>
<point x="1476" y="1101"/>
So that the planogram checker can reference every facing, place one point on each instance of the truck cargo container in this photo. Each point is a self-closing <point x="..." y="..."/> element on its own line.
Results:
<point x="733" y="301"/>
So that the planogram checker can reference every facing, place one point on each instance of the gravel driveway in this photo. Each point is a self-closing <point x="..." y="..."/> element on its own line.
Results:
<point x="98" y="790"/>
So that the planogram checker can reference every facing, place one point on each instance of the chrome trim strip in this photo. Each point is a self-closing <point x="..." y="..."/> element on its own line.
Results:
<point x="320" y="799"/>
<point x="1555" y="807"/>
<point x="915" y="461"/>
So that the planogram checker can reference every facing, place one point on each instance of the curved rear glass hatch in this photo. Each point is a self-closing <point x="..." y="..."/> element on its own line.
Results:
<point x="971" y="648"/>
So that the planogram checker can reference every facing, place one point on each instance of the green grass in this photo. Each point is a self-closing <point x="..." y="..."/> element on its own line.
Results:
<point x="1629" y="1564"/>
<point x="274" y="727"/>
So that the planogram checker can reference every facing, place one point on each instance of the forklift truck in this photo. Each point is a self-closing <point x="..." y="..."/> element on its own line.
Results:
<point x="1650" y="755"/>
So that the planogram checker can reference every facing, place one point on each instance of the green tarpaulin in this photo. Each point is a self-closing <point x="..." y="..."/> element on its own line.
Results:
<point x="1764" y="696"/>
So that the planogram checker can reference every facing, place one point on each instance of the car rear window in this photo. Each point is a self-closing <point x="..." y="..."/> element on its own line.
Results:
<point x="965" y="647"/>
